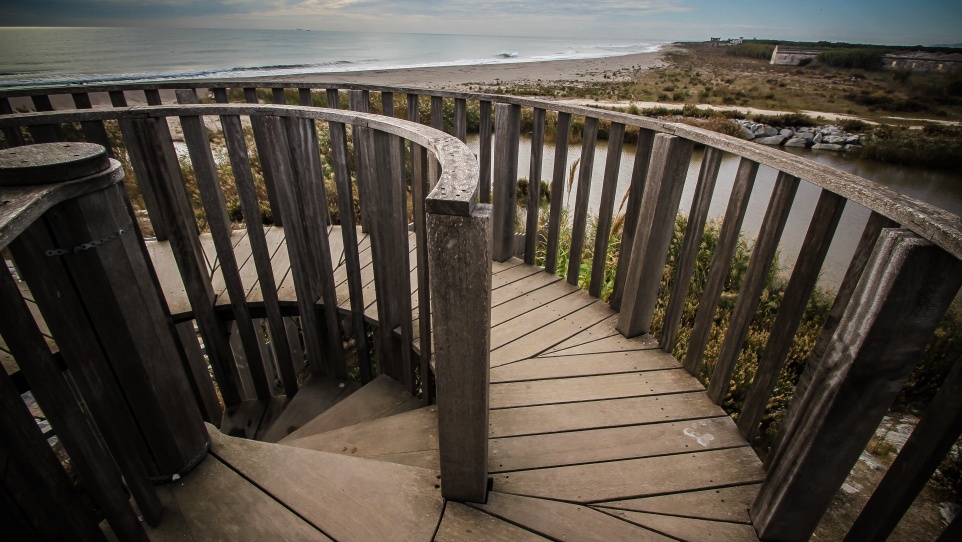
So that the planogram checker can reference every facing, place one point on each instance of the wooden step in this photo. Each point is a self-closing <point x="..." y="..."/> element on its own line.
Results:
<point x="347" y="498"/>
<point x="316" y="396"/>
<point x="380" y="398"/>
<point x="410" y="438"/>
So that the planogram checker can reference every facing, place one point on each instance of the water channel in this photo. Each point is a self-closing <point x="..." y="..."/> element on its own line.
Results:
<point x="942" y="188"/>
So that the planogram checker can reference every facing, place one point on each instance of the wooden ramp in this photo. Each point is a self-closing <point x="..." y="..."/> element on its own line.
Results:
<point x="592" y="436"/>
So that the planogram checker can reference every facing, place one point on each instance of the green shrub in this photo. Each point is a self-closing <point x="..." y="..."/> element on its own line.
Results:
<point x="864" y="58"/>
<point x="752" y="50"/>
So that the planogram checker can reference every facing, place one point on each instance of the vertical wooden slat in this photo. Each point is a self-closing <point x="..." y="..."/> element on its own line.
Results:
<point x="27" y="453"/>
<point x="153" y="96"/>
<point x="201" y="384"/>
<point x="508" y="131"/>
<point x="653" y="231"/>
<point x="117" y="98"/>
<point x="279" y="95"/>
<point x="616" y="138"/>
<point x="462" y="347"/>
<point x="484" y="151"/>
<point x="907" y="286"/>
<point x="264" y="157"/>
<point x="914" y="465"/>
<point x="580" y="220"/>
<point x="817" y="241"/>
<point x="557" y="191"/>
<point x="461" y="119"/>
<point x="763" y="253"/>
<point x="97" y="469"/>
<point x="437" y="113"/>
<point x="149" y="139"/>
<point x="212" y="195"/>
<point x="387" y="104"/>
<point x="333" y="100"/>
<point x="688" y="256"/>
<point x="534" y="186"/>
<point x="636" y="190"/>
<point x="360" y="100"/>
<point x="44" y="133"/>
<point x="240" y="165"/>
<point x="345" y="201"/>
<point x="419" y="190"/>
<point x="307" y="100"/>
<point x="720" y="263"/>
<point x="13" y="135"/>
<point x="304" y="97"/>
<point x="94" y="130"/>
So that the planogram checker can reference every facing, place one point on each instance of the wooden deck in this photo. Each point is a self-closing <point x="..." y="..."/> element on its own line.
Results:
<point x="592" y="437"/>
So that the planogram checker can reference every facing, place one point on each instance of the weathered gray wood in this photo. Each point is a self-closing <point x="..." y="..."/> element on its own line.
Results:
<point x="522" y="300"/>
<point x="907" y="286"/>
<point x="345" y="200"/>
<point x="652" y="232"/>
<point x="588" y="137"/>
<point x="563" y="521"/>
<point x="528" y="285"/>
<point x="314" y="485"/>
<point x="261" y="143"/>
<point x="728" y="504"/>
<point x="632" y="478"/>
<point x="616" y="137"/>
<point x="333" y="100"/>
<point x="550" y="335"/>
<point x="507" y="133"/>
<point x="694" y="231"/>
<point x="437" y="112"/>
<point x="44" y="133"/>
<point x="542" y="368"/>
<point x="591" y="388"/>
<point x="279" y="95"/>
<point x="260" y="252"/>
<point x="15" y="138"/>
<point x="200" y="381"/>
<point x="693" y="530"/>
<point x="461" y="119"/>
<point x="26" y="452"/>
<point x="94" y="131"/>
<point x="462" y="347"/>
<point x="152" y="96"/>
<point x="462" y="523"/>
<point x="387" y="103"/>
<point x="212" y="195"/>
<point x="484" y="151"/>
<point x="61" y="408"/>
<point x="360" y="100"/>
<point x="534" y="187"/>
<point x="612" y="444"/>
<point x="763" y="253"/>
<point x="420" y="186"/>
<point x="306" y="100"/>
<point x="536" y="317"/>
<point x="915" y="463"/>
<point x="817" y="241"/>
<point x="319" y="394"/>
<point x="720" y="263"/>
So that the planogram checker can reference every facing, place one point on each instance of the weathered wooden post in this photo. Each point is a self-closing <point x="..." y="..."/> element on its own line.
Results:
<point x="907" y="285"/>
<point x="507" y="131"/>
<point x="89" y="272"/>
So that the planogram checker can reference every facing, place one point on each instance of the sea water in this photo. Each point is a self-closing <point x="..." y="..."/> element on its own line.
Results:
<point x="46" y="56"/>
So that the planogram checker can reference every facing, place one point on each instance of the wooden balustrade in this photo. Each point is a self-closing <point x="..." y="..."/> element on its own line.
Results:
<point x="285" y="142"/>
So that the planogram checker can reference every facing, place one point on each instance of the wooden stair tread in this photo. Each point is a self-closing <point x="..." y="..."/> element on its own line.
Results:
<point x="692" y="530"/>
<point x="252" y="418"/>
<point x="722" y="504"/>
<point x="348" y="498"/>
<point x="213" y="502"/>
<point x="409" y="438"/>
<point x="314" y="397"/>
<point x="381" y="397"/>
<point x="583" y="365"/>
<point x="462" y="523"/>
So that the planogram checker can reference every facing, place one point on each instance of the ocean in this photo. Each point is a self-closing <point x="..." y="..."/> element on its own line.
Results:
<point x="48" y="56"/>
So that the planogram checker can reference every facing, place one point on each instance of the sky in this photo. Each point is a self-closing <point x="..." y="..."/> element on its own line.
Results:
<point x="896" y="22"/>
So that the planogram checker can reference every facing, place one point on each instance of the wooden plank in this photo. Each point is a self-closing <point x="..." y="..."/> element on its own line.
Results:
<point x="524" y="302"/>
<point x="540" y="340"/>
<point x="610" y="343"/>
<point x="316" y="396"/>
<point x="512" y="274"/>
<point x="374" y="400"/>
<point x="583" y="365"/>
<point x="616" y="136"/>
<point x="498" y="267"/>
<point x="94" y="131"/>
<point x="530" y="284"/>
<point x="694" y="231"/>
<point x="484" y="152"/>
<point x="557" y="190"/>
<point x="915" y="463"/>
<point x="534" y="186"/>
<point x="694" y="530"/>
<point x="44" y="133"/>
<point x="563" y="521"/>
<point x="817" y="241"/>
<point x="588" y="137"/>
<point x="462" y="346"/>
<point x="461" y="523"/>
<point x="314" y="484"/>
<point x="908" y="285"/>
<point x="201" y="383"/>
<point x="406" y="438"/>
<point x="604" y="328"/>
<point x="536" y="316"/>
<point x="262" y="144"/>
<point x="653" y="231"/>
<point x="240" y="511"/>
<point x="720" y="263"/>
<point x="729" y="504"/>
<point x="420" y="186"/>
<point x="591" y="388"/>
<point x="461" y="119"/>
<point x="507" y="133"/>
<point x="632" y="478"/>
<point x="612" y="444"/>
<point x="763" y="253"/>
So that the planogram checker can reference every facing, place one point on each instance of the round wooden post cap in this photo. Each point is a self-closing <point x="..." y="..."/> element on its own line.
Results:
<point x="49" y="163"/>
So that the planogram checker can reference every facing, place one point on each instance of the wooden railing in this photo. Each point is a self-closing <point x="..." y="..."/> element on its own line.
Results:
<point x="903" y="276"/>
